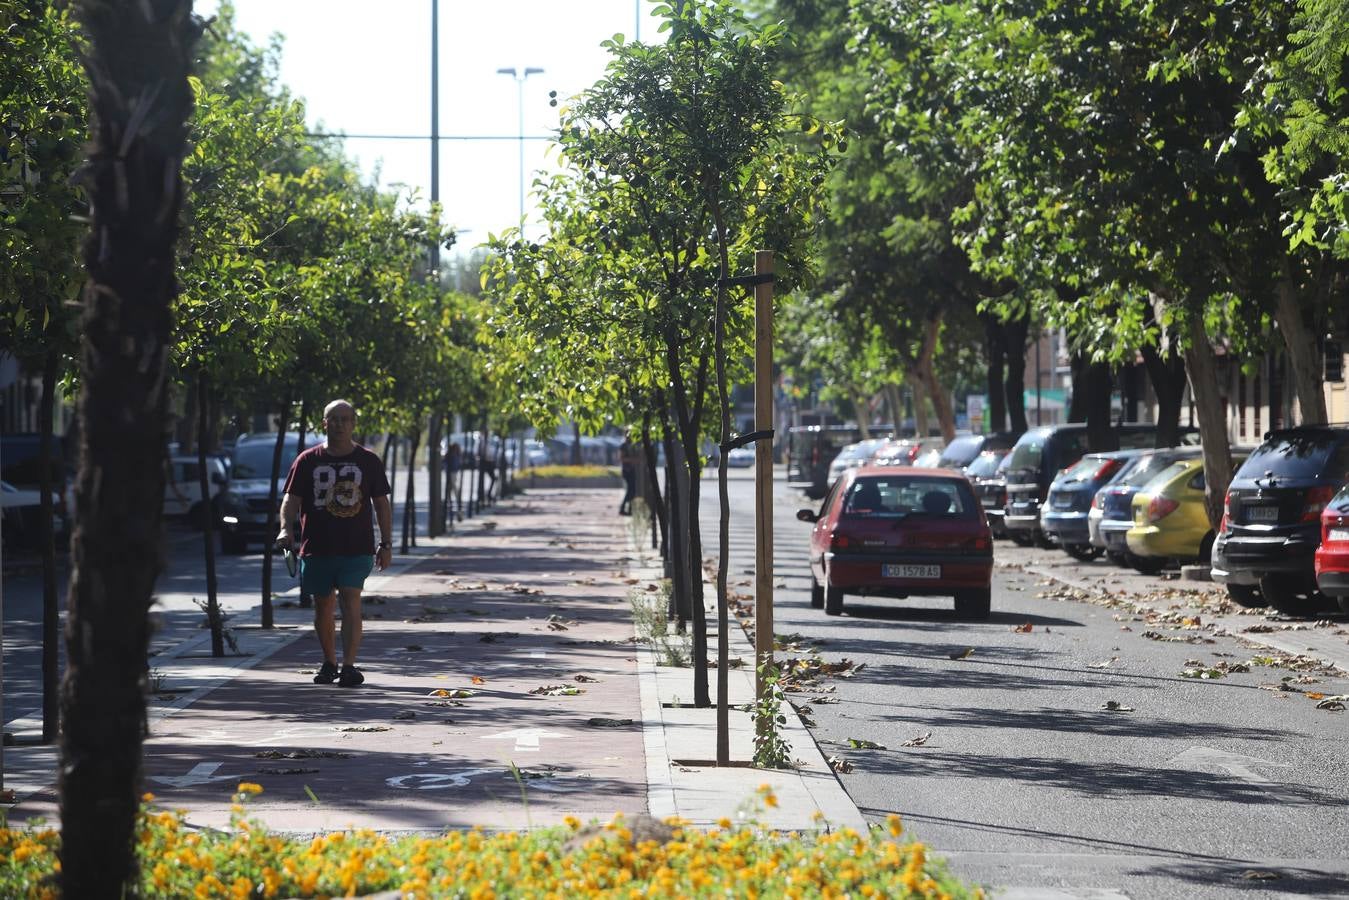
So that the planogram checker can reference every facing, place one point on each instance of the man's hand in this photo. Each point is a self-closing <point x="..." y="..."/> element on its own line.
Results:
<point x="383" y="557"/>
<point x="285" y="540"/>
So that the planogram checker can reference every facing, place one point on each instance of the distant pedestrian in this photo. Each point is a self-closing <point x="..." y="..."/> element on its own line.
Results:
<point x="627" y="462"/>
<point x="454" y="461"/>
<point x="339" y="490"/>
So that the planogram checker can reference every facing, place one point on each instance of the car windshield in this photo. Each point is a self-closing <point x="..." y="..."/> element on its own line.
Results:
<point x="1301" y="455"/>
<point x="897" y="497"/>
<point x="961" y="452"/>
<point x="1027" y="453"/>
<point x="1084" y="469"/>
<point x="255" y="460"/>
<point x="985" y="464"/>
<point x="1164" y="477"/>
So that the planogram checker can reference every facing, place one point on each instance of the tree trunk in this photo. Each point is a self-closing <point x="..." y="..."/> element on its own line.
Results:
<point x="724" y="497"/>
<point x="895" y="401"/>
<point x="51" y="610"/>
<point x="433" y="516"/>
<point x="1167" y="375"/>
<point x="1014" y="342"/>
<point x="213" y="620"/>
<point x="1101" y="432"/>
<point x="916" y="392"/>
<point x="941" y="401"/>
<point x="391" y="462"/>
<point x="1304" y="351"/>
<point x="410" y="492"/>
<point x="654" y="500"/>
<point x="996" y="348"/>
<point x="1202" y="366"/>
<point x="859" y="402"/>
<point x="138" y="59"/>
<point x="273" y="502"/>
<point x="575" y="444"/>
<point x="676" y="492"/>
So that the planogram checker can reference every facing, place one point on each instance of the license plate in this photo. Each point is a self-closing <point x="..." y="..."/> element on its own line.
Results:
<point x="1338" y="534"/>
<point x="898" y="571"/>
<point x="989" y="501"/>
<point x="1062" y="501"/>
<point x="1262" y="514"/>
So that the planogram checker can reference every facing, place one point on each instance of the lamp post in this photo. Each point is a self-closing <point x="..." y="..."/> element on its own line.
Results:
<point x="520" y="93"/>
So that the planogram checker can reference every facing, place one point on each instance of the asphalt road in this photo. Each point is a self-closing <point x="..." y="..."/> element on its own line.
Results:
<point x="1072" y="759"/>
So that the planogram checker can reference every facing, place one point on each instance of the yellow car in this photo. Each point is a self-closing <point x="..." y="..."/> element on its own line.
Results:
<point x="1170" y="521"/>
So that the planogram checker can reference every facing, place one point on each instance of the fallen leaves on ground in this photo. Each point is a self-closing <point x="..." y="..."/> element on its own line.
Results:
<point x="286" y="771"/>
<point x="840" y="765"/>
<point x="962" y="654"/>
<point x="558" y="690"/>
<point x="585" y="679"/>
<point x="456" y="694"/>
<point x="918" y="741"/>
<point x="521" y="589"/>
<point x="1335" y="703"/>
<point x="405" y="714"/>
<point x="1024" y="628"/>
<point x="862" y="744"/>
<point x="1116" y="706"/>
<point x="600" y="722"/>
<point x="365" y="728"/>
<point x="301" y="754"/>
<point x="1103" y="664"/>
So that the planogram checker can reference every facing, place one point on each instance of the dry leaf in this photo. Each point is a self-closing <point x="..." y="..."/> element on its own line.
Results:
<point x="584" y="679"/>
<point x="366" y="728"/>
<point x="1025" y="628"/>
<point x="962" y="654"/>
<point x="840" y="765"/>
<point x="557" y="626"/>
<point x="860" y="744"/>
<point x="1104" y="664"/>
<point x="558" y="690"/>
<point x="405" y="714"/>
<point x="1116" y="706"/>
<point x="917" y="741"/>
<point x="478" y="679"/>
<point x="608" y="723"/>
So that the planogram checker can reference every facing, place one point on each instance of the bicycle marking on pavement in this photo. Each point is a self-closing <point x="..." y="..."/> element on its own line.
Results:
<point x="1235" y="764"/>
<point x="288" y="735"/>
<point x="435" y="781"/>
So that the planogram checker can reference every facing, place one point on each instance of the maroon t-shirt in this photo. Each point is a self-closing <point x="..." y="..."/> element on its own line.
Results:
<point x="336" y="515"/>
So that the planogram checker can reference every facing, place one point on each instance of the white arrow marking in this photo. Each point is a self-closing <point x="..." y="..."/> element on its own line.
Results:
<point x="1234" y="764"/>
<point x="526" y="739"/>
<point x="201" y="773"/>
<point x="538" y="654"/>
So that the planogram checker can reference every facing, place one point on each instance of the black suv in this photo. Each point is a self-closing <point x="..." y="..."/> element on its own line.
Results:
<point x="964" y="450"/>
<point x="1041" y="453"/>
<point x="1271" y="523"/>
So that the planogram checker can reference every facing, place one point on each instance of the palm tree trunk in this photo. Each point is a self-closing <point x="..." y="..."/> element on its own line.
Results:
<point x="138" y="59"/>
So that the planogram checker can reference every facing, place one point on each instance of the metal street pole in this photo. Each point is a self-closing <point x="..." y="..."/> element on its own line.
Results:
<point x="435" y="126"/>
<point x="520" y="78"/>
<point x="763" y="481"/>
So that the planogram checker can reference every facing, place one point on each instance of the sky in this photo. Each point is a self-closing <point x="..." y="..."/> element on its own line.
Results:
<point x="365" y="68"/>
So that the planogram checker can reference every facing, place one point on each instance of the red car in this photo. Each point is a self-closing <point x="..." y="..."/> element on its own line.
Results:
<point x="887" y="531"/>
<point x="1332" y="557"/>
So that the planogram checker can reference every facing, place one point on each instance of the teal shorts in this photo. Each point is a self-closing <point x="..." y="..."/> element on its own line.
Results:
<point x="320" y="575"/>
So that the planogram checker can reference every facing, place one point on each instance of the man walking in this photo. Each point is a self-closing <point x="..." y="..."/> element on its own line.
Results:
<point x="339" y="490"/>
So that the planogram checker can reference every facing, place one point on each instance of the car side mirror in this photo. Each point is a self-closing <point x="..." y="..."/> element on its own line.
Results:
<point x="806" y="515"/>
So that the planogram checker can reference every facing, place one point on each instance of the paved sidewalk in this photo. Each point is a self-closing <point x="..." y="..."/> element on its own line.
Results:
<point x="504" y="689"/>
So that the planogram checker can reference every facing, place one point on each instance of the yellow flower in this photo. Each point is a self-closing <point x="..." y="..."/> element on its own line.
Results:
<point x="724" y="822"/>
<point x="895" y="825"/>
<point x="248" y="787"/>
<point x="147" y="797"/>
<point x="770" y="799"/>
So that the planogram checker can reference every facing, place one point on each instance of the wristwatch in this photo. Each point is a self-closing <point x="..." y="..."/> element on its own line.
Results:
<point x="384" y="545"/>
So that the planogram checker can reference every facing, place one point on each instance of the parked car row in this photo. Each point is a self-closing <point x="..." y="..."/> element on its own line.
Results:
<point x="1283" y="540"/>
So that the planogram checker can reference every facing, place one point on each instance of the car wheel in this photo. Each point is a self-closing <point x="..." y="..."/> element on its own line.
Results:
<point x="1082" y="552"/>
<point x="1021" y="538"/>
<point x="1043" y="540"/>
<point x="816" y="593"/>
<point x="1146" y="565"/>
<point x="833" y="599"/>
<point x="1344" y="604"/>
<point x="1119" y="559"/>
<point x="1247" y="595"/>
<point x="1288" y="594"/>
<point x="975" y="604"/>
<point x="232" y="544"/>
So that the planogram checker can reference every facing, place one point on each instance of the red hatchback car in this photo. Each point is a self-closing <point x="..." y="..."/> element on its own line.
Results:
<point x="886" y="531"/>
<point x="1332" y="557"/>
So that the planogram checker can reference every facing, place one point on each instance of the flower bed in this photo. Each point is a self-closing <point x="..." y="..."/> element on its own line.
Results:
<point x="570" y="476"/>
<point x="641" y="858"/>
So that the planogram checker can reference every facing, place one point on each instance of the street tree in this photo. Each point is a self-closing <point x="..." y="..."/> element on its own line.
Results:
<point x="138" y="63"/>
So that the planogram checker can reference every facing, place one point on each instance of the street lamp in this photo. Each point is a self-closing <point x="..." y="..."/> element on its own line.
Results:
<point x="520" y="88"/>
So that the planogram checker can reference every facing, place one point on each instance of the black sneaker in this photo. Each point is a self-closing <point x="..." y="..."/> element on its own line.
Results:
<point x="327" y="673"/>
<point x="350" y="677"/>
